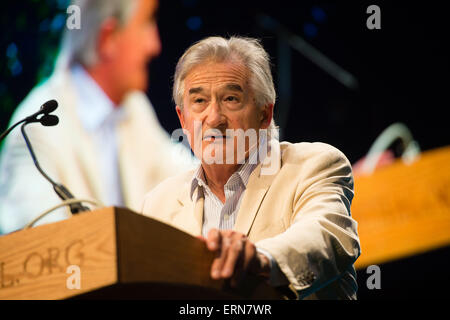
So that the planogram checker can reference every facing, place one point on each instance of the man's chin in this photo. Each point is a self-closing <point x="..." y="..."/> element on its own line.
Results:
<point x="217" y="153"/>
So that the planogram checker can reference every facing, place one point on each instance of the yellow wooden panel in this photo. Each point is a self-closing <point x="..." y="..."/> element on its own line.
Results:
<point x="402" y="209"/>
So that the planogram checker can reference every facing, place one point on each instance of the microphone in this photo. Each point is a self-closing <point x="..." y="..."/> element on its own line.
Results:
<point x="49" y="107"/>
<point x="45" y="109"/>
<point x="47" y="120"/>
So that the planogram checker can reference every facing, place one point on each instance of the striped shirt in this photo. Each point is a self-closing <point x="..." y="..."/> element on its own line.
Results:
<point x="220" y="215"/>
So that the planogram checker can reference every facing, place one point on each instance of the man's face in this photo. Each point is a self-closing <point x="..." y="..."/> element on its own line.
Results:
<point x="217" y="95"/>
<point x="137" y="43"/>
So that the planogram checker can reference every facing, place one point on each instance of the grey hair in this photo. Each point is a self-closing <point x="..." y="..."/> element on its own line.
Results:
<point x="79" y="45"/>
<point x="247" y="51"/>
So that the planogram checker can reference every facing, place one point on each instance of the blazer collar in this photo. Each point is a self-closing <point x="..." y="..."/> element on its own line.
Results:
<point x="258" y="185"/>
<point x="192" y="209"/>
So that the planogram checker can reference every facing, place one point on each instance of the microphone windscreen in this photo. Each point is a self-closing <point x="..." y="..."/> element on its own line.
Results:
<point x="49" y="120"/>
<point x="49" y="106"/>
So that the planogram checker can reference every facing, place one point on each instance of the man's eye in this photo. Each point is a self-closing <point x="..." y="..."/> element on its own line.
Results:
<point x="199" y="100"/>
<point x="231" y="98"/>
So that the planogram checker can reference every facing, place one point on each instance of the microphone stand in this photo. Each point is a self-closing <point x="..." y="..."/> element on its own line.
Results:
<point x="60" y="190"/>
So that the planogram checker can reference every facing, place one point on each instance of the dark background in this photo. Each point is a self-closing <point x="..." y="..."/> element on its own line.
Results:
<point x="402" y="71"/>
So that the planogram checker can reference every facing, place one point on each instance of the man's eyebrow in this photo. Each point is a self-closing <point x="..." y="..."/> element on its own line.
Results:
<point x="195" y="90"/>
<point x="234" y="87"/>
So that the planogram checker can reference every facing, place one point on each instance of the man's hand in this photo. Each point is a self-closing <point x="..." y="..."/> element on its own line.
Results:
<point x="235" y="256"/>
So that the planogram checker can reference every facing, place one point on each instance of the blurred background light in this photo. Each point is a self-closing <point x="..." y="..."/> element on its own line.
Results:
<point x="194" y="23"/>
<point x="318" y="14"/>
<point x="11" y="51"/>
<point x="310" y="30"/>
<point x="190" y="3"/>
<point x="58" y="22"/>
<point x="15" y="67"/>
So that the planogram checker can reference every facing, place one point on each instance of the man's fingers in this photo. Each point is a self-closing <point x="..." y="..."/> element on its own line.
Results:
<point x="235" y="251"/>
<point x="218" y="262"/>
<point x="213" y="239"/>
<point x="234" y="254"/>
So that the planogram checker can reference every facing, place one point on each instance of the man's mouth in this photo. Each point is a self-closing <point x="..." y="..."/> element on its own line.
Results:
<point x="213" y="138"/>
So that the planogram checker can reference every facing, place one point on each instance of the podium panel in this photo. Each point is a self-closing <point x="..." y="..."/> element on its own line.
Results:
<point x="112" y="253"/>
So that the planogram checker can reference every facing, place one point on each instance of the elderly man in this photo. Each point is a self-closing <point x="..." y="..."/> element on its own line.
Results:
<point x="279" y="210"/>
<point x="108" y="145"/>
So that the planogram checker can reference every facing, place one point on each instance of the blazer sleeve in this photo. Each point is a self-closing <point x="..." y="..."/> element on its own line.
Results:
<point x="321" y="242"/>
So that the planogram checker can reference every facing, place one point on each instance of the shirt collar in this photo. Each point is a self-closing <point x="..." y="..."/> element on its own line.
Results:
<point x="94" y="107"/>
<point x="244" y="171"/>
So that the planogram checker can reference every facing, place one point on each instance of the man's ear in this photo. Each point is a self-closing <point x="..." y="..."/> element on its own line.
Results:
<point x="107" y="40"/>
<point x="266" y="115"/>
<point x="180" y="115"/>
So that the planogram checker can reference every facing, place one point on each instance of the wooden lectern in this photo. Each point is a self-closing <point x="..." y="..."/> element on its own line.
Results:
<point x="113" y="253"/>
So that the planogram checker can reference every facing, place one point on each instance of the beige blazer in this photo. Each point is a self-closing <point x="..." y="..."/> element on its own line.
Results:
<point x="67" y="153"/>
<point x="300" y="214"/>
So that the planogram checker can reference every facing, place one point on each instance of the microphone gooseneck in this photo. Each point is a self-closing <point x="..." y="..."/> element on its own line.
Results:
<point x="4" y="134"/>
<point x="33" y="155"/>
<point x="61" y="191"/>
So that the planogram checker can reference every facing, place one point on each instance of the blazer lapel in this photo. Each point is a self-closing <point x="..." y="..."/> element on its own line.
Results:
<point x="191" y="214"/>
<point x="257" y="187"/>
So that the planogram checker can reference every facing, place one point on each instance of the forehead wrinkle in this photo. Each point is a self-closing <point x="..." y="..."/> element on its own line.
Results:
<point x="216" y="74"/>
<point x="203" y="87"/>
<point x="214" y="79"/>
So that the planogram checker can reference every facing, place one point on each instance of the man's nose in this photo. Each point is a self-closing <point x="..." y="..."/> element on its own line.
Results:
<point x="215" y="117"/>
